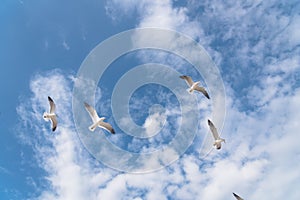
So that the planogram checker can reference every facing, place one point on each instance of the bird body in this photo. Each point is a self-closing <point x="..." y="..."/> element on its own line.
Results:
<point x="97" y="121"/>
<point x="193" y="86"/>
<point x="48" y="115"/>
<point x="96" y="124"/>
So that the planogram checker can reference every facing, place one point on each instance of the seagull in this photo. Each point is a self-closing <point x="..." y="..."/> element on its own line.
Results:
<point x="215" y="133"/>
<point x="194" y="85"/>
<point x="51" y="115"/>
<point x="237" y="196"/>
<point x="97" y="121"/>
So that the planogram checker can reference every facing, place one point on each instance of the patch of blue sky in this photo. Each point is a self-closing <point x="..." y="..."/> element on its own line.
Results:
<point x="148" y="95"/>
<point x="144" y="97"/>
<point x="167" y="58"/>
<point x="178" y="3"/>
<point x="139" y="57"/>
<point x="135" y="192"/>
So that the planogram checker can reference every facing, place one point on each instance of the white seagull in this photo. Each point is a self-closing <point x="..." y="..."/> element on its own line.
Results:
<point x="216" y="136"/>
<point x="237" y="196"/>
<point x="51" y="115"/>
<point x="194" y="85"/>
<point x="98" y="121"/>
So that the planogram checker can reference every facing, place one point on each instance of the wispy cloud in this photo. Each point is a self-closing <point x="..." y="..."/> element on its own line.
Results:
<point x="66" y="45"/>
<point x="4" y="170"/>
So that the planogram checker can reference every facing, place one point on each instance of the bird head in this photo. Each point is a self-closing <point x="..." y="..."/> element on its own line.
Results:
<point x="45" y="116"/>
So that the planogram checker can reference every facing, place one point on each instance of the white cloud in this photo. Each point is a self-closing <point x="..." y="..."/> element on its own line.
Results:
<point x="154" y="122"/>
<point x="293" y="31"/>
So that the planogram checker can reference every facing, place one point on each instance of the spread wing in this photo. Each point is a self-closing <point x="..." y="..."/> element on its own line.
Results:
<point x="107" y="126"/>
<point x="54" y="122"/>
<point x="188" y="80"/>
<point x="202" y="89"/>
<point x="237" y="196"/>
<point x="52" y="105"/>
<point x="92" y="112"/>
<point x="214" y="130"/>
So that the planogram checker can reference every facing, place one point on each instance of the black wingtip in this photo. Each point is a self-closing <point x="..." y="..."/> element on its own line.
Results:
<point x="182" y="77"/>
<point x="207" y="96"/>
<point x="86" y="104"/>
<point x="113" y="131"/>
<point x="235" y="195"/>
<point x="209" y="122"/>
<point x="54" y="128"/>
<point x="50" y="99"/>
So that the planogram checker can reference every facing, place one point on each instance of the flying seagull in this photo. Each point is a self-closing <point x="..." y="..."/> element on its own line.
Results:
<point x="237" y="196"/>
<point x="194" y="85"/>
<point x="51" y="115"/>
<point x="215" y="133"/>
<point x="97" y="121"/>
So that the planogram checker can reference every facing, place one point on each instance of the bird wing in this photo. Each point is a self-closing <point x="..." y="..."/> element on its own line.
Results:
<point x="214" y="130"/>
<point x="54" y="122"/>
<point x="237" y="196"/>
<point x="202" y="89"/>
<point x="107" y="126"/>
<point x="188" y="80"/>
<point x="92" y="112"/>
<point x="52" y="105"/>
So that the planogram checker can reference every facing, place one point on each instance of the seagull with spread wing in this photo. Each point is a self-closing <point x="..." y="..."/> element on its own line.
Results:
<point x="51" y="115"/>
<point x="194" y="85"/>
<point x="216" y="136"/>
<point x="97" y="121"/>
<point x="237" y="196"/>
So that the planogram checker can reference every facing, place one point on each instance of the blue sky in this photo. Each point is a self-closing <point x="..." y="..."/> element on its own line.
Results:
<point x="255" y="46"/>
